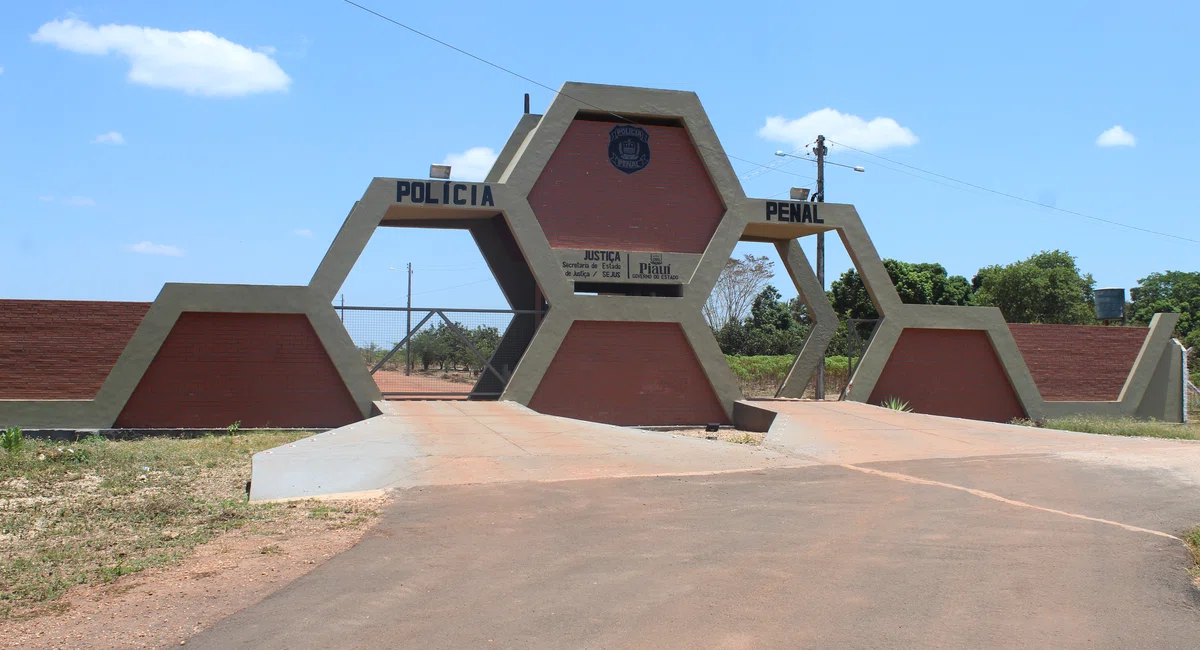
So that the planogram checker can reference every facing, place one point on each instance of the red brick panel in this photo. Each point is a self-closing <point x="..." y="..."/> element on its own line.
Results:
<point x="630" y="374"/>
<point x="266" y="370"/>
<point x="62" y="349"/>
<point x="582" y="201"/>
<point x="949" y="372"/>
<point x="1077" y="362"/>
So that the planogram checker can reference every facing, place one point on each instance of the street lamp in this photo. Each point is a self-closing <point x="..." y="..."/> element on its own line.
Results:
<point x="821" y="150"/>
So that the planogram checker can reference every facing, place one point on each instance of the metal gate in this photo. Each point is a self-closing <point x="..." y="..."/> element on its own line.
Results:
<point x="440" y="353"/>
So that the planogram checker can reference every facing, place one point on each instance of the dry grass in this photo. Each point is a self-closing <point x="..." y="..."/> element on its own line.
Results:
<point x="1191" y="539"/>
<point x="1122" y="426"/>
<point x="92" y="511"/>
<point x="735" y="436"/>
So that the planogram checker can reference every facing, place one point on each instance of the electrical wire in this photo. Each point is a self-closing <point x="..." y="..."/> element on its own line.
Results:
<point x="758" y="165"/>
<point x="1014" y="196"/>
<point x="457" y="286"/>
<point x="540" y="84"/>
<point x="907" y="173"/>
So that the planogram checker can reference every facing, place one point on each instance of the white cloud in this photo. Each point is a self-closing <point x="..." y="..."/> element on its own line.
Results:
<point x="198" y="63"/>
<point x="879" y="133"/>
<point x="73" y="201"/>
<point x="112" y="137"/>
<point x="266" y="49"/>
<point x="150" y="248"/>
<point x="1116" y="137"/>
<point x="303" y="232"/>
<point x="1" y="69"/>
<point x="472" y="164"/>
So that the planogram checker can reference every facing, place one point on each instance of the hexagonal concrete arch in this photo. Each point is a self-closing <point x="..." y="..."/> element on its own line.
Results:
<point x="618" y="208"/>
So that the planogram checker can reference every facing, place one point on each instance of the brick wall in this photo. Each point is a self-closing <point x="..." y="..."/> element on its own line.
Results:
<point x="262" y="369"/>
<point x="1079" y="362"/>
<point x="948" y="372"/>
<point x="62" y="349"/>
<point x="628" y="373"/>
<point x="582" y="201"/>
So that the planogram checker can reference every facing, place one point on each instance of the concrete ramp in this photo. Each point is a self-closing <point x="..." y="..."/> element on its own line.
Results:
<point x="851" y="432"/>
<point x="447" y="443"/>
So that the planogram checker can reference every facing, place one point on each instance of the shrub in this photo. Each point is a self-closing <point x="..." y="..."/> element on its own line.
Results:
<point x="12" y="439"/>
<point x="896" y="404"/>
<point x="761" y="375"/>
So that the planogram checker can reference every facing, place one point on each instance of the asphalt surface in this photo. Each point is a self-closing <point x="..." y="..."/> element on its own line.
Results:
<point x="820" y="556"/>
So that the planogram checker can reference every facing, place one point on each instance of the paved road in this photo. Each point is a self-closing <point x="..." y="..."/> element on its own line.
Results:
<point x="874" y="554"/>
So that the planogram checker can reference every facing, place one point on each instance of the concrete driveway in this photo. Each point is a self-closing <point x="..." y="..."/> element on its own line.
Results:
<point x="900" y="531"/>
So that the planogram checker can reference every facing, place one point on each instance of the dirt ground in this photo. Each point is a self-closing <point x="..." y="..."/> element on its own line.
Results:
<point x="390" y="381"/>
<point x="162" y="607"/>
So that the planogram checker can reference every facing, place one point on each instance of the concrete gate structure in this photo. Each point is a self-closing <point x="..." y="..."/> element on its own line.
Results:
<point x="616" y="212"/>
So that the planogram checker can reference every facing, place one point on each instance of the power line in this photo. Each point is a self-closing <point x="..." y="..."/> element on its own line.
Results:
<point x="1018" y="198"/>
<point x="906" y="173"/>
<point x="751" y="162"/>
<point x="775" y="165"/>
<point x="457" y="286"/>
<point x="537" y="83"/>
<point x="455" y="267"/>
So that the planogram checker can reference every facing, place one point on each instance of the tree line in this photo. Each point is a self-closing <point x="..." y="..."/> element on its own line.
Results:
<point x="440" y="347"/>
<point x="749" y="317"/>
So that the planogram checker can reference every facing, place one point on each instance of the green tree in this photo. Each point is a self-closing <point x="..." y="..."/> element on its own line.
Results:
<point x="770" y="329"/>
<point x="485" y="339"/>
<point x="1045" y="288"/>
<point x="768" y="310"/>
<point x="428" y="348"/>
<point x="1170" y="291"/>
<point x="922" y="283"/>
<point x="740" y="281"/>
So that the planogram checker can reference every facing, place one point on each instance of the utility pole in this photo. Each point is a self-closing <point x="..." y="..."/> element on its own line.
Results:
<point x="408" y="327"/>
<point x="821" y="151"/>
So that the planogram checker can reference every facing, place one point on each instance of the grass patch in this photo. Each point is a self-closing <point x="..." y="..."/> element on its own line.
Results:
<point x="1121" y="426"/>
<point x="1191" y="539"/>
<point x="92" y="511"/>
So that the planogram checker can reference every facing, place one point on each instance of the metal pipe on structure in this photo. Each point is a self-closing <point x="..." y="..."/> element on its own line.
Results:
<point x="408" y="327"/>
<point x="820" y="151"/>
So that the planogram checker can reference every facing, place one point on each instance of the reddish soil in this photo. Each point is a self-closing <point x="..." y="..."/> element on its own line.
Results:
<point x="395" y="381"/>
<point x="163" y="607"/>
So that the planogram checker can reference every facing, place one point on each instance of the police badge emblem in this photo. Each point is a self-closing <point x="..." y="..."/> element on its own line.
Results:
<point x="628" y="148"/>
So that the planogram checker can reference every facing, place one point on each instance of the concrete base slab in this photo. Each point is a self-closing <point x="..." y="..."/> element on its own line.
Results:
<point x="449" y="443"/>
<point x="852" y="432"/>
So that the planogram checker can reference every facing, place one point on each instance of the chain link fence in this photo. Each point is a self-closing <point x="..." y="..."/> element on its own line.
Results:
<point x="439" y="353"/>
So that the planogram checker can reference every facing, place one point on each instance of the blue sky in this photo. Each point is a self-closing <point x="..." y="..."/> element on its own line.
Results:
<point x="125" y="164"/>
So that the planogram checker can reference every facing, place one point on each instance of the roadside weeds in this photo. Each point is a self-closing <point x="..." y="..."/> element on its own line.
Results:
<point x="1191" y="539"/>
<point x="1122" y="426"/>
<point x="90" y="512"/>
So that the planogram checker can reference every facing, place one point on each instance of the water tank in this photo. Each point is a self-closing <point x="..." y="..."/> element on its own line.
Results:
<point x="1110" y="304"/>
